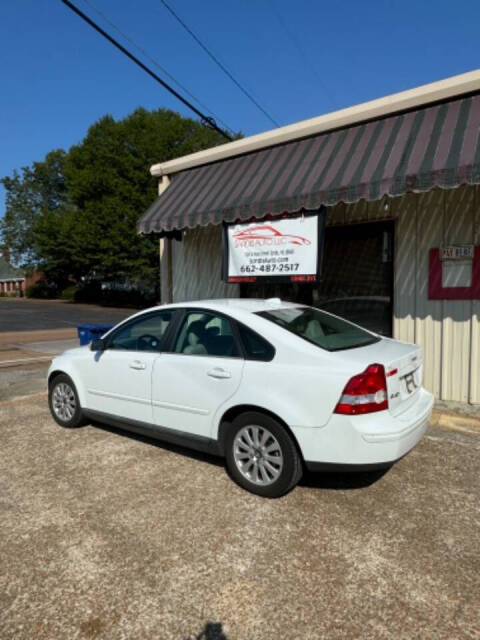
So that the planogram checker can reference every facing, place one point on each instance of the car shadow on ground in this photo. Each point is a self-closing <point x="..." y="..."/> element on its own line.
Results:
<point x="318" y="480"/>
<point x="341" y="480"/>
<point x="161" y="444"/>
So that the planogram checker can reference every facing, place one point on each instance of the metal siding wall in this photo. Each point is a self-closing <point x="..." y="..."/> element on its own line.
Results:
<point x="475" y="330"/>
<point x="336" y="214"/>
<point x="428" y="313"/>
<point x="405" y="269"/>
<point x="457" y="314"/>
<point x="379" y="209"/>
<point x="356" y="212"/>
<point x="448" y="330"/>
<point x="197" y="263"/>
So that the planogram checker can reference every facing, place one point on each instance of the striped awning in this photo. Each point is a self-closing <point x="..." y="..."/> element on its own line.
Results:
<point x="433" y="146"/>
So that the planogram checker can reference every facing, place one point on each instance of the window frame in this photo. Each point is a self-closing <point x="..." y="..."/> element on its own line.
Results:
<point x="245" y="353"/>
<point x="132" y="321"/>
<point x="175" y="333"/>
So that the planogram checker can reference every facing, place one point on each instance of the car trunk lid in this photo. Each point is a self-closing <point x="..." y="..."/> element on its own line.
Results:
<point x="403" y="363"/>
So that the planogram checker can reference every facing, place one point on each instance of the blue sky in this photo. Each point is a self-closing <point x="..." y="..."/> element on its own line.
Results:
<point x="299" y="59"/>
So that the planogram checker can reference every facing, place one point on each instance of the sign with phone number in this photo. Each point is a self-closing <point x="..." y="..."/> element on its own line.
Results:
<point x="287" y="249"/>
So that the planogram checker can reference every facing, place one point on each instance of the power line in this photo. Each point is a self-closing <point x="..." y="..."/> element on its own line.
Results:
<point x="157" y="64"/>
<point x="206" y="120"/>
<point x="218" y="63"/>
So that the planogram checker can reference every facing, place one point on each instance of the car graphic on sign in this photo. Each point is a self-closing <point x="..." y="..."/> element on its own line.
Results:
<point x="267" y="232"/>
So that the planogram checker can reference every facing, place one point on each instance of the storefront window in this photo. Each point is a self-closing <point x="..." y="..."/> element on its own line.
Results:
<point x="357" y="277"/>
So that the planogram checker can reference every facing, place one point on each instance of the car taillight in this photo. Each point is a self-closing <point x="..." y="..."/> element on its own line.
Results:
<point x="365" y="392"/>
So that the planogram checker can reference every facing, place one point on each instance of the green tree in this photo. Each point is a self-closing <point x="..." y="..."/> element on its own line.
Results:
<point x="31" y="192"/>
<point x="75" y="213"/>
<point x="109" y="182"/>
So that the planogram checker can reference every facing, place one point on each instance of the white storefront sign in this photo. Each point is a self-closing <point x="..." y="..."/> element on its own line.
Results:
<point x="288" y="249"/>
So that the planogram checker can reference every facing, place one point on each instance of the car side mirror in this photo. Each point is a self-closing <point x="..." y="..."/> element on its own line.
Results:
<point x="98" y="344"/>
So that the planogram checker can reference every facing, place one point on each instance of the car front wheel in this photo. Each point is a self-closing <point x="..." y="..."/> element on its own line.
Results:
<point x="262" y="456"/>
<point x="63" y="402"/>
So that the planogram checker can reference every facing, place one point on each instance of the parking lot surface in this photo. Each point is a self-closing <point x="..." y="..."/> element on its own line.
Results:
<point x="20" y="314"/>
<point x="18" y="382"/>
<point x="104" y="535"/>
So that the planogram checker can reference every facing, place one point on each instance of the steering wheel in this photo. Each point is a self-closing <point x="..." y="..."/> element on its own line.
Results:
<point x="147" y="341"/>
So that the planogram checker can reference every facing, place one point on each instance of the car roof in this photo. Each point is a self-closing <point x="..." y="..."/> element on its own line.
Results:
<point x="249" y="305"/>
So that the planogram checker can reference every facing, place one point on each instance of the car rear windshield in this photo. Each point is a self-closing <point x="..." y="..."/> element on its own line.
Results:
<point x="325" y="330"/>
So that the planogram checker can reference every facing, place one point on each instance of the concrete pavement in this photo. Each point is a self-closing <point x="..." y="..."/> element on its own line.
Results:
<point x="18" y="350"/>
<point x="110" y="536"/>
<point x="9" y="338"/>
<point x="23" y="363"/>
<point x="105" y="535"/>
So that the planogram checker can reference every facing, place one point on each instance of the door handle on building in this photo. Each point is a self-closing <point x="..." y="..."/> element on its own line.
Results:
<point x="217" y="372"/>
<point x="136" y="364"/>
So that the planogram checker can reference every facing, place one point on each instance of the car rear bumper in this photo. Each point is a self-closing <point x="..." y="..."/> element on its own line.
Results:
<point x="370" y="441"/>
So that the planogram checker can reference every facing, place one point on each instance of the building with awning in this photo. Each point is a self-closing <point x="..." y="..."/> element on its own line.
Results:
<point x="399" y="179"/>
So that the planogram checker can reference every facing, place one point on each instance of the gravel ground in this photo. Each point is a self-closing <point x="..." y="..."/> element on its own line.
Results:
<point x="109" y="536"/>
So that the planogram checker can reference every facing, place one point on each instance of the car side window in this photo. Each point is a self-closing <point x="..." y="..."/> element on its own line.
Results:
<point x="143" y="334"/>
<point x="206" y="334"/>
<point x="255" y="347"/>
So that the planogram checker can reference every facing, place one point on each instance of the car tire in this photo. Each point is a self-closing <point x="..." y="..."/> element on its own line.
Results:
<point x="64" y="403"/>
<point x="261" y="455"/>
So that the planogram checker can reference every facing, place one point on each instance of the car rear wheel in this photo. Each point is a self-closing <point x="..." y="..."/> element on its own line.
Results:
<point x="63" y="402"/>
<point x="262" y="456"/>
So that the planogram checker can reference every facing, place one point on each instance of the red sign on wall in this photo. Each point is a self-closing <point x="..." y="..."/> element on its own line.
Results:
<point x="440" y="287"/>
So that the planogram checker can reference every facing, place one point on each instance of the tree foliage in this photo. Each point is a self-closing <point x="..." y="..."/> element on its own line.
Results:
<point x="74" y="215"/>
<point x="31" y="192"/>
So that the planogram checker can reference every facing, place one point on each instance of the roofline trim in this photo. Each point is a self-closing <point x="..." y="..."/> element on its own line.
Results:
<point x="425" y="94"/>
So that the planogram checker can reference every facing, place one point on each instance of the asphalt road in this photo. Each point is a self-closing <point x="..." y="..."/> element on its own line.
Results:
<point x="104" y="535"/>
<point x="20" y="314"/>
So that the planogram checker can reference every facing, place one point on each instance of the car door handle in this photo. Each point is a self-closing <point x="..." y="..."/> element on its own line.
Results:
<point x="217" y="372"/>
<point x="136" y="364"/>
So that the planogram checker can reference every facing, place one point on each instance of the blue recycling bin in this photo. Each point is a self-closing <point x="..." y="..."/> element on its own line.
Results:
<point x="88" y="332"/>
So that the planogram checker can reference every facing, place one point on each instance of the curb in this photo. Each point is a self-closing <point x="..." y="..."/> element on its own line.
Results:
<point x="455" y="421"/>
<point x="16" y="363"/>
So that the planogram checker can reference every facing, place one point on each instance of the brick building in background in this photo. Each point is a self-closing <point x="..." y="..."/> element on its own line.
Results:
<point x="12" y="280"/>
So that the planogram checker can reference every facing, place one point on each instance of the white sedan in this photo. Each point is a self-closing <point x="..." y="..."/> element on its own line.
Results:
<point x="272" y="386"/>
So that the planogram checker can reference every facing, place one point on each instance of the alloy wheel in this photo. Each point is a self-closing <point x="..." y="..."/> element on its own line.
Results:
<point x="258" y="455"/>
<point x="63" y="401"/>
